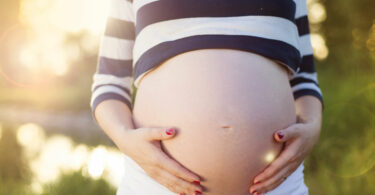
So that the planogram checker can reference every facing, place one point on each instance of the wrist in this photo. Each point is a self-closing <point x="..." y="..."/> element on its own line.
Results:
<point x="314" y="118"/>
<point x="308" y="109"/>
<point x="121" y="137"/>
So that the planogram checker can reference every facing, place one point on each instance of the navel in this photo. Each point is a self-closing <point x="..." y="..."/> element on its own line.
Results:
<point x="226" y="126"/>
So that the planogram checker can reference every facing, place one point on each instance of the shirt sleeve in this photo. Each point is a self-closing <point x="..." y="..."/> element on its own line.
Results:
<point x="113" y="77"/>
<point x="305" y="80"/>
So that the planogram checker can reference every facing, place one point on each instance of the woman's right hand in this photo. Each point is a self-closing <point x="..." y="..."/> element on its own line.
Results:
<point x="143" y="145"/>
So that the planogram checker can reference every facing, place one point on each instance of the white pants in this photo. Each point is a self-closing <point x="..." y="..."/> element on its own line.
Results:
<point x="136" y="182"/>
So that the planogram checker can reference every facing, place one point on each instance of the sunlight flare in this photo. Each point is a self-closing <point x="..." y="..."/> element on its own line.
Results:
<point x="96" y="162"/>
<point x="319" y="46"/>
<point x="32" y="137"/>
<point x="49" y="22"/>
<point x="270" y="156"/>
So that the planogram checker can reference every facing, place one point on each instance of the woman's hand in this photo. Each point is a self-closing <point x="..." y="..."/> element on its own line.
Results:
<point x="143" y="146"/>
<point x="299" y="139"/>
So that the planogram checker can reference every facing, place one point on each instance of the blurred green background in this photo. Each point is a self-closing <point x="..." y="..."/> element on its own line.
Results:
<point x="50" y="145"/>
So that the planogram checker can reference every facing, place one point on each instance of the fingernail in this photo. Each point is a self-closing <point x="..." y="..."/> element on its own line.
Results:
<point x="169" y="131"/>
<point x="198" y="192"/>
<point x="197" y="182"/>
<point x="257" y="182"/>
<point x="280" y="134"/>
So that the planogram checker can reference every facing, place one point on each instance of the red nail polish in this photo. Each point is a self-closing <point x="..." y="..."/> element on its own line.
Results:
<point x="280" y="135"/>
<point x="197" y="182"/>
<point x="198" y="192"/>
<point x="257" y="182"/>
<point x="255" y="193"/>
<point x="169" y="131"/>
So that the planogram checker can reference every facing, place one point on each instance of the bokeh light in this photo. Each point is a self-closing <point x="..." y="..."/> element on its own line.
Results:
<point x="51" y="156"/>
<point x="96" y="162"/>
<point x="31" y="136"/>
<point x="319" y="46"/>
<point x="317" y="13"/>
<point x="270" y="156"/>
<point x="48" y="23"/>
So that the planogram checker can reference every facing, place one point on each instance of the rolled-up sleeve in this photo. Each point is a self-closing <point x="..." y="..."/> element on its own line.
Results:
<point x="305" y="80"/>
<point x="113" y="77"/>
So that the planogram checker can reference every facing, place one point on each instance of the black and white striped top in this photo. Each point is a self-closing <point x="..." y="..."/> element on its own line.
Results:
<point x="141" y="34"/>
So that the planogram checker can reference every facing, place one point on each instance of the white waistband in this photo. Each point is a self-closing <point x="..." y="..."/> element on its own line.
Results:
<point x="136" y="182"/>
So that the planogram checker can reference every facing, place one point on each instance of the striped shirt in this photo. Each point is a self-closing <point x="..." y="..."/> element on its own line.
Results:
<point x="141" y="34"/>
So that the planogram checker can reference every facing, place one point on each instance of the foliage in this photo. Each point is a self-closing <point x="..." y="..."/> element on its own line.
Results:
<point x="76" y="184"/>
<point x="14" y="168"/>
<point x="343" y="161"/>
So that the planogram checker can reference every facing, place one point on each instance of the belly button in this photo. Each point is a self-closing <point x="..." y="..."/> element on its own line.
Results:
<point x="226" y="127"/>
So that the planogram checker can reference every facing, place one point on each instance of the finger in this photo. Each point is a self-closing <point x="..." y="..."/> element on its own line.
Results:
<point x="175" y="168"/>
<point x="158" y="133"/>
<point x="288" y="133"/>
<point x="274" y="181"/>
<point x="288" y="155"/>
<point x="176" y="184"/>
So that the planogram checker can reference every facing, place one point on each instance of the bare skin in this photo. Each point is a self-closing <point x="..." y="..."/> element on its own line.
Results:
<point x="112" y="117"/>
<point x="115" y="118"/>
<point x="226" y="105"/>
<point x="300" y="139"/>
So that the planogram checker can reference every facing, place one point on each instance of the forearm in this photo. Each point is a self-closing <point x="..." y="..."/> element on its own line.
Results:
<point x="309" y="108"/>
<point x="115" y="118"/>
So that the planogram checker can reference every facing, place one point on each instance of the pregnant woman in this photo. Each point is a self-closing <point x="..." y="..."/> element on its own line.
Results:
<point x="216" y="97"/>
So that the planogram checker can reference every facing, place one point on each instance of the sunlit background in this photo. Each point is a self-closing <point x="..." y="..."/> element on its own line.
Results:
<point x="50" y="145"/>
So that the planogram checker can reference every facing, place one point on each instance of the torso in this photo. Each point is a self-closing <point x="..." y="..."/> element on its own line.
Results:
<point x="225" y="104"/>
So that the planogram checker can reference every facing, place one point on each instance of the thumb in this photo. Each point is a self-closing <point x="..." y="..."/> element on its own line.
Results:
<point x="288" y="133"/>
<point x="160" y="133"/>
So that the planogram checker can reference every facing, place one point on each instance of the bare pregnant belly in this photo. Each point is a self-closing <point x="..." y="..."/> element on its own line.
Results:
<point x="225" y="104"/>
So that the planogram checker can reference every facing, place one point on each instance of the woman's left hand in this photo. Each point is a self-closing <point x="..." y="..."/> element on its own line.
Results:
<point x="299" y="139"/>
